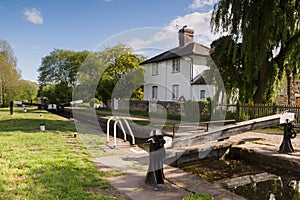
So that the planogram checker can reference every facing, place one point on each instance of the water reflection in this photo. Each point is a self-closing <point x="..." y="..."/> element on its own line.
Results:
<point x="278" y="189"/>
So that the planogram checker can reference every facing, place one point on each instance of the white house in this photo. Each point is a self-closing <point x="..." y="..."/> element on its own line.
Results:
<point x="180" y="73"/>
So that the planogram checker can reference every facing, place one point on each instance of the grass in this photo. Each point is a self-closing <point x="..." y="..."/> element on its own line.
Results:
<point x="198" y="196"/>
<point x="46" y="165"/>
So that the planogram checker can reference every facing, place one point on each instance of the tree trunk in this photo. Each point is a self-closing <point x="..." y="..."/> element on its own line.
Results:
<point x="261" y="83"/>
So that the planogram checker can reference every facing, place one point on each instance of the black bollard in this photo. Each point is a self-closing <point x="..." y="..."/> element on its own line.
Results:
<point x="289" y="133"/>
<point x="11" y="107"/>
<point x="157" y="153"/>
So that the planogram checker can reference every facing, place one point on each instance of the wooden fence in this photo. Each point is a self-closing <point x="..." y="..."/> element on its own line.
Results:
<point x="242" y="112"/>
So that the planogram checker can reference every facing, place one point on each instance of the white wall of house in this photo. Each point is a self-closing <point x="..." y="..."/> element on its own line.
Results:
<point x="166" y="79"/>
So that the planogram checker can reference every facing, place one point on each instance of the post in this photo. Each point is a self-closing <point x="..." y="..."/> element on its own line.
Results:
<point x="157" y="153"/>
<point x="11" y="106"/>
<point x="289" y="133"/>
<point x="288" y="77"/>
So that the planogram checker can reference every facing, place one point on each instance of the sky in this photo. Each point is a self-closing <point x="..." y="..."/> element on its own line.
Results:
<point x="34" y="28"/>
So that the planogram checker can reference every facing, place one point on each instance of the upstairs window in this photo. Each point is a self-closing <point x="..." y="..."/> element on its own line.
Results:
<point x="176" y="65"/>
<point x="154" y="69"/>
<point x="175" y="92"/>
<point x="202" y="95"/>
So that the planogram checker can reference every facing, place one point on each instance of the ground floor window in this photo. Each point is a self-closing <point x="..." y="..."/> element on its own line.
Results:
<point x="175" y="92"/>
<point x="154" y="92"/>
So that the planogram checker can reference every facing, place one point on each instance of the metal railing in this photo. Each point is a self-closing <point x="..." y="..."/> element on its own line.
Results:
<point x="118" y="120"/>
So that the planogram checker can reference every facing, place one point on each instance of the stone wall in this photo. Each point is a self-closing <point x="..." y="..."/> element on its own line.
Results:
<point x="165" y="107"/>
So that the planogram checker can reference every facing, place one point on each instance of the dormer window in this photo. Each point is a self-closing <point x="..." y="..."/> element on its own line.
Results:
<point x="176" y="65"/>
<point x="154" y="69"/>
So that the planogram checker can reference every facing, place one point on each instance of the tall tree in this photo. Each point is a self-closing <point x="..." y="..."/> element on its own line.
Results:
<point x="28" y="90"/>
<point x="270" y="35"/>
<point x="9" y="75"/>
<point x="226" y="54"/>
<point x="119" y="61"/>
<point x="59" y="70"/>
<point x="61" y="66"/>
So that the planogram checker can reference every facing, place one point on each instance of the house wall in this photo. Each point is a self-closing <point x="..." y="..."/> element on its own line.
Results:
<point x="166" y="79"/>
<point x="209" y="91"/>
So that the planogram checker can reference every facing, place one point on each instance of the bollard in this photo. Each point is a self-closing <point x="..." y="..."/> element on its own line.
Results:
<point x="42" y="126"/>
<point x="11" y="107"/>
<point x="289" y="133"/>
<point x="157" y="153"/>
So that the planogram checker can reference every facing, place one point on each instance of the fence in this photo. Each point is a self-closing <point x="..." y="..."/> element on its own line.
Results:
<point x="203" y="111"/>
<point x="242" y="112"/>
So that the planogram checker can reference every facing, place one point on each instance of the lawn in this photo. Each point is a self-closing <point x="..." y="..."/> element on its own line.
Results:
<point x="46" y="165"/>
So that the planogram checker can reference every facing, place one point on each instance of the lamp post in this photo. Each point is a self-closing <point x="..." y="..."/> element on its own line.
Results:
<point x="288" y="77"/>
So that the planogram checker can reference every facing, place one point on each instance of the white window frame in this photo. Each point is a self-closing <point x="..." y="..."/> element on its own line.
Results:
<point x="175" y="92"/>
<point x="176" y="65"/>
<point x="154" y="92"/>
<point x="154" y="69"/>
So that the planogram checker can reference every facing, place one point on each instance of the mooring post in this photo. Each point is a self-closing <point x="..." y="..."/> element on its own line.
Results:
<point x="157" y="153"/>
<point x="11" y="106"/>
<point x="288" y="134"/>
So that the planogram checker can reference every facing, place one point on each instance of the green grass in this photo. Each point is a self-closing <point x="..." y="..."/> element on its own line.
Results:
<point x="198" y="196"/>
<point x="46" y="165"/>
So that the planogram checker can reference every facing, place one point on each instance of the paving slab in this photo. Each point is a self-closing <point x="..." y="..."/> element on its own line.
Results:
<point x="133" y="162"/>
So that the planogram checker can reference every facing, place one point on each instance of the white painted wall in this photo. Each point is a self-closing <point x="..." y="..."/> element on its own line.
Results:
<point x="166" y="79"/>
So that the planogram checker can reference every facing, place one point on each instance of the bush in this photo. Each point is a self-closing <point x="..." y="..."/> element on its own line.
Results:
<point x="93" y="101"/>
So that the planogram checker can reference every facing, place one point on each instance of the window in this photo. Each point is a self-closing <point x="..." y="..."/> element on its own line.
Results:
<point x="154" y="69"/>
<point x="202" y="95"/>
<point x="175" y="92"/>
<point x="176" y="65"/>
<point x="154" y="92"/>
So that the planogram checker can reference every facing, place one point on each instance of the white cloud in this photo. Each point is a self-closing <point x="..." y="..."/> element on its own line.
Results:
<point x="199" y="22"/>
<point x="34" y="16"/>
<point x="197" y="4"/>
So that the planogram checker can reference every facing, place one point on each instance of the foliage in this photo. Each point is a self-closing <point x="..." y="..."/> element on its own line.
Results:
<point x="94" y="101"/>
<point x="197" y="110"/>
<point x="28" y="90"/>
<point x="49" y="164"/>
<point x="57" y="74"/>
<point x="61" y="66"/>
<point x="225" y="52"/>
<point x="9" y="75"/>
<point x="114" y="70"/>
<point x="198" y="196"/>
<point x="122" y="75"/>
<point x="270" y="35"/>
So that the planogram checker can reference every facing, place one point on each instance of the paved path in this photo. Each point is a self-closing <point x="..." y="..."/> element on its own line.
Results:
<point x="133" y="163"/>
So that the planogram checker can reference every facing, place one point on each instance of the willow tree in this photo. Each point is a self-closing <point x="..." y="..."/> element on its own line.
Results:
<point x="270" y="34"/>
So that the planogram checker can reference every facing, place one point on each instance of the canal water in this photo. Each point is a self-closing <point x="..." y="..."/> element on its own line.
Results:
<point x="251" y="182"/>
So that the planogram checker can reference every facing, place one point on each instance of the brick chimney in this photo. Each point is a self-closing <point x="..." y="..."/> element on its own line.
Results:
<point x="186" y="36"/>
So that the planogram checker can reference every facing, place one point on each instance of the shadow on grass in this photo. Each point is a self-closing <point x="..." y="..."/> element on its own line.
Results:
<point x="33" y="125"/>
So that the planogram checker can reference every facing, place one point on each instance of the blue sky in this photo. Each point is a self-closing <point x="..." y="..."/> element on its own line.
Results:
<point x="36" y="27"/>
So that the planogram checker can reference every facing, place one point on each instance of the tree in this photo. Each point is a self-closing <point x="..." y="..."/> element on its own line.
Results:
<point x="61" y="66"/>
<point x="59" y="70"/>
<point x="9" y="75"/>
<point x="120" y="64"/>
<point x="226" y="54"/>
<point x="270" y="35"/>
<point x="28" y="90"/>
